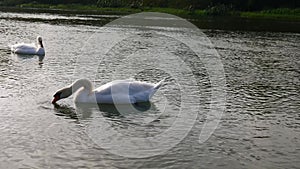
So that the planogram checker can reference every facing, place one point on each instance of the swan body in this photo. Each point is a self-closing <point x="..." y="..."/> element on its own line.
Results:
<point x="29" y="49"/>
<point x="116" y="92"/>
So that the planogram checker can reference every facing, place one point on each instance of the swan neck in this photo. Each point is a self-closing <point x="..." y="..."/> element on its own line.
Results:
<point x="41" y="44"/>
<point x="82" y="83"/>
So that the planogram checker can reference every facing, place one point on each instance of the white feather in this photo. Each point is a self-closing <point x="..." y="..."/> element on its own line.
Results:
<point x="29" y="49"/>
<point x="117" y="92"/>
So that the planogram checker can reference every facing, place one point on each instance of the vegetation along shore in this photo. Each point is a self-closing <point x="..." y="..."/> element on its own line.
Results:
<point x="275" y="15"/>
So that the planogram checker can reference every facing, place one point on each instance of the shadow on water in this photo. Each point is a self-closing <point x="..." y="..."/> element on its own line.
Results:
<point x="246" y="24"/>
<point x="92" y="21"/>
<point x="85" y="110"/>
<point x="66" y="111"/>
<point x="21" y="57"/>
<point x="7" y="51"/>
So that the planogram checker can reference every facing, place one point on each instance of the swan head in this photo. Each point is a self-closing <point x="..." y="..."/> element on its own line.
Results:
<point x="62" y="93"/>
<point x="40" y="41"/>
<point x="69" y="90"/>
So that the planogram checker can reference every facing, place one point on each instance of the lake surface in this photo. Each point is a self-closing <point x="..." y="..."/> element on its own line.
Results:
<point x="259" y="127"/>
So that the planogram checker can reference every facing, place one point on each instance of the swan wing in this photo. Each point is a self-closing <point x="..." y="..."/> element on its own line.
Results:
<point x="112" y="92"/>
<point x="145" y="91"/>
<point x="138" y="87"/>
<point x="124" y="87"/>
<point x="23" y="48"/>
<point x="126" y="91"/>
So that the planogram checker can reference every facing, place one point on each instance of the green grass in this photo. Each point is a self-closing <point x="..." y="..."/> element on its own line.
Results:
<point x="123" y="10"/>
<point x="281" y="13"/>
<point x="77" y="7"/>
<point x="167" y="10"/>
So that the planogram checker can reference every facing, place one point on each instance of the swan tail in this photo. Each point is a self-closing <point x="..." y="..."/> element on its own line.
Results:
<point x="156" y="87"/>
<point x="13" y="48"/>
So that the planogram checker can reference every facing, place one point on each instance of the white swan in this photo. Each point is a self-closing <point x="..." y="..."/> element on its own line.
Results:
<point x="117" y="92"/>
<point x="29" y="49"/>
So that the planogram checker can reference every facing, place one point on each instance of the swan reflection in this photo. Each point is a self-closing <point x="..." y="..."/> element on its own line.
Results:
<point x="134" y="113"/>
<point x="21" y="57"/>
<point x="113" y="110"/>
<point x="64" y="110"/>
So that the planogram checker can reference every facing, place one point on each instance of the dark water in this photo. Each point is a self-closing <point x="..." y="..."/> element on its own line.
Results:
<point x="247" y="24"/>
<point x="258" y="129"/>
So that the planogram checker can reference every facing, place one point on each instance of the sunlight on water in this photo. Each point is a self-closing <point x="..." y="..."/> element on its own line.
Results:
<point x="259" y="129"/>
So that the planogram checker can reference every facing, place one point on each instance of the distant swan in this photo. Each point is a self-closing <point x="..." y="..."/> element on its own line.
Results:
<point x="117" y="92"/>
<point x="29" y="49"/>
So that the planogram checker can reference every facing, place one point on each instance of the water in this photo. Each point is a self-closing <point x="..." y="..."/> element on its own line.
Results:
<point x="258" y="129"/>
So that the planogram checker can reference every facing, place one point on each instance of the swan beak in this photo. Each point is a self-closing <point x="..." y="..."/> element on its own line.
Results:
<point x="56" y="98"/>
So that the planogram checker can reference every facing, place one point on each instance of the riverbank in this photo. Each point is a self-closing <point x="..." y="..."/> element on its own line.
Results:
<point x="278" y="20"/>
<point x="282" y="13"/>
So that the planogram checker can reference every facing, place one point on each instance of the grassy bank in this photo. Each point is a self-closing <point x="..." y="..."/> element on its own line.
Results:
<point x="281" y="14"/>
<point x="276" y="20"/>
<point x="94" y="8"/>
<point x="76" y="8"/>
